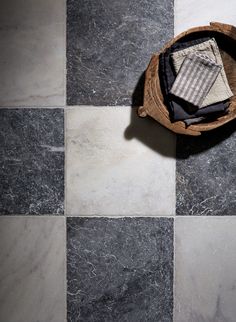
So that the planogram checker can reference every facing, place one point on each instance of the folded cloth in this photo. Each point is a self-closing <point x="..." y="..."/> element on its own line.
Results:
<point x="196" y="76"/>
<point x="180" y="110"/>
<point x="207" y="118"/>
<point x="194" y="120"/>
<point x="220" y="91"/>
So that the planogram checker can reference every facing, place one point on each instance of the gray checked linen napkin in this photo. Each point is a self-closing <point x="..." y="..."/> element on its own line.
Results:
<point x="196" y="76"/>
<point x="220" y="91"/>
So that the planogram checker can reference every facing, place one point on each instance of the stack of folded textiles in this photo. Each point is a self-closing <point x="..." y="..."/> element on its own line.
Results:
<point x="194" y="82"/>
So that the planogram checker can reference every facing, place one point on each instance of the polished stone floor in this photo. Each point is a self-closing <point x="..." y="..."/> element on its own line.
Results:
<point x="108" y="48"/>
<point x="120" y="269"/>
<point x="106" y="217"/>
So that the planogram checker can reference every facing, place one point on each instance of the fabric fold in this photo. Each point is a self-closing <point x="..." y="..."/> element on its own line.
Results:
<point x="196" y="77"/>
<point x="220" y="91"/>
<point x="179" y="109"/>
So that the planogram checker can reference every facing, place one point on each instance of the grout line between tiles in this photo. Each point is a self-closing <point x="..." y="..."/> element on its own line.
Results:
<point x="32" y="107"/>
<point x="111" y="216"/>
<point x="65" y="276"/>
<point x="32" y="216"/>
<point x="65" y="106"/>
<point x="119" y="216"/>
<point x="65" y="162"/>
<point x="209" y="216"/>
<point x="174" y="268"/>
<point x="72" y="107"/>
<point x="65" y="52"/>
<point x="175" y="175"/>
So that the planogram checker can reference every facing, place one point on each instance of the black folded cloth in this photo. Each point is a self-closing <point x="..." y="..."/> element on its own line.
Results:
<point x="178" y="108"/>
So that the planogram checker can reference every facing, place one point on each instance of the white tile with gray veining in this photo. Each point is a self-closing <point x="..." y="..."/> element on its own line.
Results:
<point x="205" y="289"/>
<point x="32" y="270"/>
<point x="118" y="164"/>
<point x="192" y="13"/>
<point x="32" y="55"/>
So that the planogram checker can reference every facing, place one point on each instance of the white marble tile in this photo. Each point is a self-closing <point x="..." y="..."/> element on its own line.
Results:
<point x="205" y="269"/>
<point x="30" y="12"/>
<point x="118" y="164"/>
<point x="32" y="55"/>
<point x="32" y="270"/>
<point x="192" y="13"/>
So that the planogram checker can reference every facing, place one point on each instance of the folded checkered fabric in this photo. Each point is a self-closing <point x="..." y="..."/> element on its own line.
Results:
<point x="179" y="109"/>
<point x="220" y="90"/>
<point x="195" y="78"/>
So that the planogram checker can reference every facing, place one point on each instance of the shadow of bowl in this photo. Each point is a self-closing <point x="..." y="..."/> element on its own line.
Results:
<point x="161" y="140"/>
<point x="152" y="134"/>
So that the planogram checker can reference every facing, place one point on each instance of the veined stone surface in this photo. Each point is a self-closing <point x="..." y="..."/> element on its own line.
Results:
<point x="192" y="13"/>
<point x="31" y="161"/>
<point x="205" y="288"/>
<point x="205" y="173"/>
<point x="120" y="269"/>
<point x="109" y="45"/>
<point x="32" y="270"/>
<point x="118" y="164"/>
<point x="33" y="51"/>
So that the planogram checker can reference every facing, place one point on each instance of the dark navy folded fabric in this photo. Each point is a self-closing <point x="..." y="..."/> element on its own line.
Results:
<point x="178" y="108"/>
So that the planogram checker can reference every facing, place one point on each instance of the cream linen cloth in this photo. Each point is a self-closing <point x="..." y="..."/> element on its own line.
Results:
<point x="220" y="91"/>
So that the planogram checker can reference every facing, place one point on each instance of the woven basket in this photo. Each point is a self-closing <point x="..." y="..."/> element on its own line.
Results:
<point x="154" y="106"/>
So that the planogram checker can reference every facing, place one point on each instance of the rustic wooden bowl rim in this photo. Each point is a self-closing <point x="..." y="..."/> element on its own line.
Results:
<point x="153" y="98"/>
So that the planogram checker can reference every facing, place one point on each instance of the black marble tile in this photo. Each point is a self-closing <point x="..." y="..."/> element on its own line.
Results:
<point x="206" y="172"/>
<point x="120" y="269"/>
<point x="109" y="44"/>
<point x="31" y="161"/>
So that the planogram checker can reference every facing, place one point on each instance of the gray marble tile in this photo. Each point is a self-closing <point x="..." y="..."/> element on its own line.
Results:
<point x="32" y="270"/>
<point x="110" y="171"/>
<point x="31" y="161"/>
<point x="205" y="280"/>
<point x="120" y="269"/>
<point x="205" y="173"/>
<point x="32" y="55"/>
<point x="109" y="44"/>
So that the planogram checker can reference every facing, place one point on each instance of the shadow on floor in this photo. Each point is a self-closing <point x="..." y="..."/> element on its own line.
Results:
<point x="189" y="145"/>
<point x="161" y="140"/>
<point x="150" y="133"/>
<point x="146" y="130"/>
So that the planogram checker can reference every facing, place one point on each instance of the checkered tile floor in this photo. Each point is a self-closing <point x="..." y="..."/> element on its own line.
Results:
<point x="105" y="217"/>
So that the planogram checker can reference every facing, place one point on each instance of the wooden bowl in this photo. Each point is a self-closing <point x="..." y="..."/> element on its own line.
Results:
<point x="154" y="106"/>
